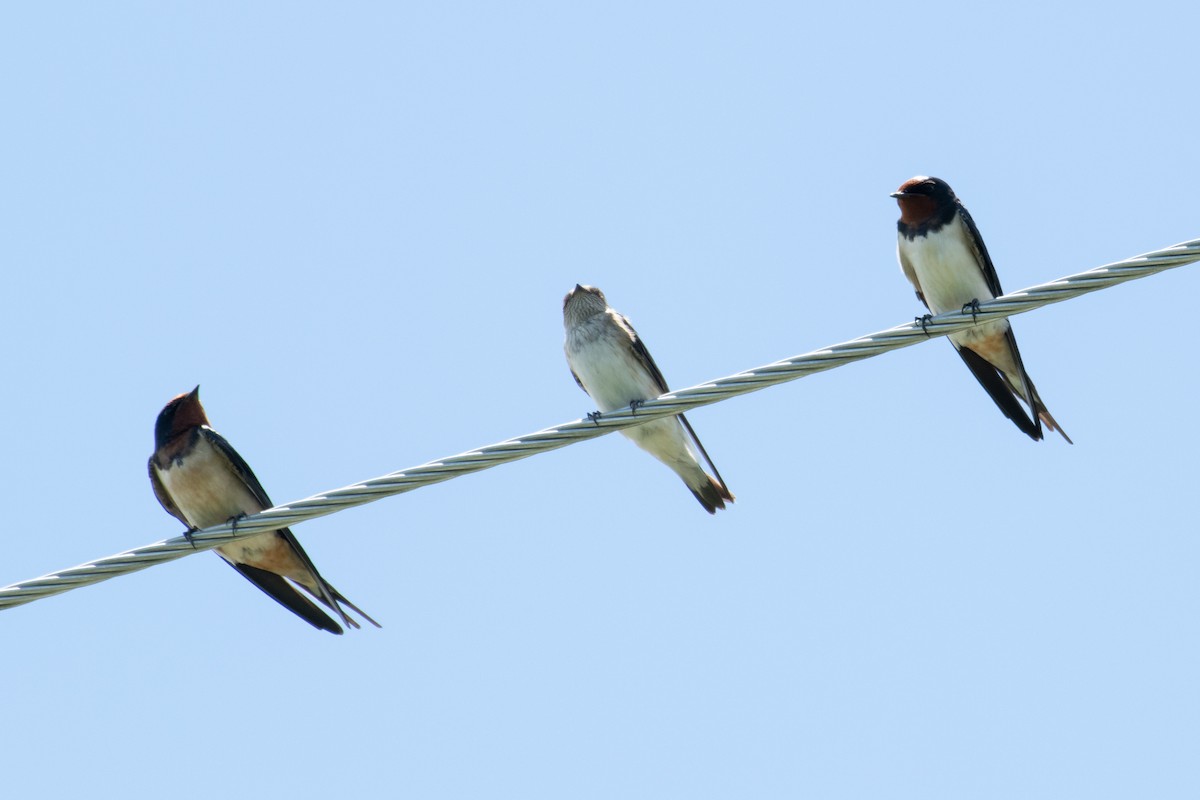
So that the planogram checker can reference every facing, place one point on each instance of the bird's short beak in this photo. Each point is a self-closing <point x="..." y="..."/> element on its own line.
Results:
<point x="898" y="194"/>
<point x="578" y="288"/>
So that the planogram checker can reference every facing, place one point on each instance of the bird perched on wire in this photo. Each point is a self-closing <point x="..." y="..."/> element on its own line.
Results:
<point x="609" y="361"/>
<point x="201" y="480"/>
<point x="943" y="256"/>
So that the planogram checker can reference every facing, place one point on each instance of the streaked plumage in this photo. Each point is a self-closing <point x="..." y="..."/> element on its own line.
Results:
<point x="610" y="363"/>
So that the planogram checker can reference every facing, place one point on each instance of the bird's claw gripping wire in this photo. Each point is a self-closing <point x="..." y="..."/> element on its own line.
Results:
<point x="235" y="519"/>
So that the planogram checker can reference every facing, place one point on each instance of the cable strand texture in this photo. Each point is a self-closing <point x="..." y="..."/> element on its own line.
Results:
<point x="752" y="380"/>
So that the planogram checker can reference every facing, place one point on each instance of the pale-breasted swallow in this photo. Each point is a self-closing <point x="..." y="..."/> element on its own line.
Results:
<point x="610" y="363"/>
<point x="943" y="256"/>
<point x="201" y="480"/>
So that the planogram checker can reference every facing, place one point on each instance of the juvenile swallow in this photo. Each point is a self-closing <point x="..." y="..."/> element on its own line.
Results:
<point x="609" y="361"/>
<point x="943" y="256"/>
<point x="201" y="480"/>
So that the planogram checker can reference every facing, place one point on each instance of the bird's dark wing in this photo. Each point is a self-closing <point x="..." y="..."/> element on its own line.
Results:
<point x="993" y="382"/>
<point x="981" y="253"/>
<point x="643" y="356"/>
<point x="238" y="465"/>
<point x="287" y="596"/>
<point x="326" y="594"/>
<point x="696" y="441"/>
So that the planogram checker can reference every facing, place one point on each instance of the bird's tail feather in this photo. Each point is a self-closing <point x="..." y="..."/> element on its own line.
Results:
<point x="341" y="598"/>
<point x="1044" y="415"/>
<point x="712" y="494"/>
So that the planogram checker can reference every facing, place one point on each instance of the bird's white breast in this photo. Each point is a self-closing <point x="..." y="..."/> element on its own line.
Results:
<point x="205" y="489"/>
<point x="601" y="354"/>
<point x="946" y="269"/>
<point x="949" y="275"/>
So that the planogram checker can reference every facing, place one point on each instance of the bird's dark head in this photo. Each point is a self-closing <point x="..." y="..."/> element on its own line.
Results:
<point x="925" y="202"/>
<point x="582" y="303"/>
<point x="183" y="413"/>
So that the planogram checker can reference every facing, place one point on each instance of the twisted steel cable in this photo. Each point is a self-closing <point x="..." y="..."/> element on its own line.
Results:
<point x="752" y="380"/>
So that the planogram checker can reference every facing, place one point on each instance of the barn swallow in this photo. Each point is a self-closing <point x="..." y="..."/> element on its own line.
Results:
<point x="609" y="361"/>
<point x="943" y="256"/>
<point x="201" y="480"/>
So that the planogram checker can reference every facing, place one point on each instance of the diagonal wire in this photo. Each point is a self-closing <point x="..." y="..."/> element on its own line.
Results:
<point x="752" y="380"/>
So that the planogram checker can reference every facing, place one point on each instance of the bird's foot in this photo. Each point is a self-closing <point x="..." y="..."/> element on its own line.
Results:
<point x="924" y="319"/>
<point x="235" y="519"/>
<point x="634" y="405"/>
<point x="973" y="307"/>
<point x="188" y="535"/>
<point x="594" y="416"/>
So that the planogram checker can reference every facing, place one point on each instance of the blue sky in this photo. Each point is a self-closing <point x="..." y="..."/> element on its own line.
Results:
<point x="353" y="227"/>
